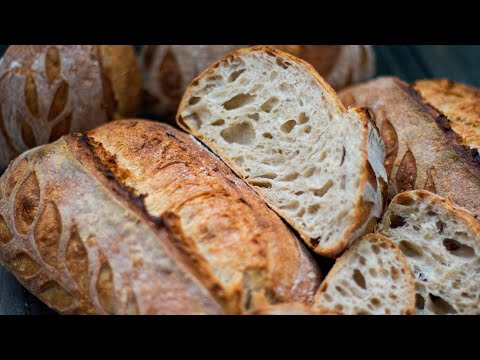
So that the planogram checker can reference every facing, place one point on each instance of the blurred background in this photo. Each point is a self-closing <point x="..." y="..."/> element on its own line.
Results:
<point x="412" y="62"/>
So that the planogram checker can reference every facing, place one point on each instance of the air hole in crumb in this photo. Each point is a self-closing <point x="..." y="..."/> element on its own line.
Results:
<point x="339" y="307"/>
<point x="327" y="297"/>
<point x="192" y="121"/>
<point x="307" y="129"/>
<point x="394" y="273"/>
<point x="359" y="279"/>
<point x="458" y="249"/>
<point x="393" y="296"/>
<point x="268" y="105"/>
<point x="431" y="213"/>
<point x="410" y="249"/>
<point x="340" y="290"/>
<point x="416" y="227"/>
<point x="267" y="136"/>
<point x="301" y="212"/>
<point x="440" y="226"/>
<point x="289" y="177"/>
<point x="375" y="302"/>
<point x="255" y="116"/>
<point x="218" y="122"/>
<point x="440" y="306"/>
<point x="194" y="100"/>
<point x="397" y="221"/>
<point x="234" y="75"/>
<point x="313" y="209"/>
<point x="270" y="176"/>
<point x="261" y="183"/>
<point x="242" y="133"/>
<point x="376" y="249"/>
<point x="324" y="189"/>
<point x="309" y="172"/>
<point x="238" y="101"/>
<point x="343" y="156"/>
<point x="302" y="118"/>
<point x="298" y="193"/>
<point x="372" y="272"/>
<point x="288" y="126"/>
<point x="292" y="205"/>
<point x="362" y="260"/>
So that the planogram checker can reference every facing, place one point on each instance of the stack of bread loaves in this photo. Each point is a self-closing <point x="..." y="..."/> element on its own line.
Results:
<point x="271" y="172"/>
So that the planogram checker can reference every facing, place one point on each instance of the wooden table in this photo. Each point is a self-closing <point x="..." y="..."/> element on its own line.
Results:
<point x="409" y="62"/>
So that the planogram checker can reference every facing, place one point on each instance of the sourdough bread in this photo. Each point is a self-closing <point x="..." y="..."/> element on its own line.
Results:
<point x="423" y="152"/>
<point x="281" y="127"/>
<point x="441" y="242"/>
<point x="47" y="91"/>
<point x="370" y="278"/>
<point x="459" y="102"/>
<point x="135" y="217"/>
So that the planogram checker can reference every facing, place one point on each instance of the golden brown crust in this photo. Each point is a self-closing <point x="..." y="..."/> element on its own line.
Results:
<point x="50" y="90"/>
<point x="423" y="150"/>
<point x="292" y="309"/>
<point x="176" y="231"/>
<point x="459" y="102"/>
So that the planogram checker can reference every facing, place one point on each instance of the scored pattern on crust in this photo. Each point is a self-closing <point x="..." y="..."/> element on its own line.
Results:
<point x="48" y="91"/>
<point x="33" y="248"/>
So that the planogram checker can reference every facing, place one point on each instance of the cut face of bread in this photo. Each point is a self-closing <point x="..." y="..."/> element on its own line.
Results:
<point x="441" y="242"/>
<point x="278" y="125"/>
<point x="371" y="278"/>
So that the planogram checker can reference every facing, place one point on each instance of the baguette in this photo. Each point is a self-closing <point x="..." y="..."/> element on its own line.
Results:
<point x="441" y="243"/>
<point x="279" y="126"/>
<point x="169" y="69"/>
<point x="136" y="217"/>
<point x="423" y="152"/>
<point x="370" y="278"/>
<point x="47" y="91"/>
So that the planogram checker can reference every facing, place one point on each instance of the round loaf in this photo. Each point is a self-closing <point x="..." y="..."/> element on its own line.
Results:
<point x="136" y="217"/>
<point x="47" y="91"/>
<point x="169" y="69"/>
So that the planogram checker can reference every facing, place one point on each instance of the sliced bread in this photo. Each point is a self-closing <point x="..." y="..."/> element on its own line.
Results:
<point x="461" y="103"/>
<point x="370" y="278"/>
<point x="423" y="152"/>
<point x="281" y="127"/>
<point x="441" y="242"/>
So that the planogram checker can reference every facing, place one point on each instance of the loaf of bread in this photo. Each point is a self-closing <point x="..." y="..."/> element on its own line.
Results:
<point x="169" y="69"/>
<point x="135" y="217"/>
<point x="459" y="102"/>
<point x="47" y="91"/>
<point x="282" y="128"/>
<point x="441" y="242"/>
<point x="423" y="152"/>
<point x="291" y="309"/>
<point x="370" y="278"/>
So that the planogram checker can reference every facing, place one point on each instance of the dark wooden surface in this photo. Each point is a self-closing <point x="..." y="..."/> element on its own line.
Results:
<point x="409" y="62"/>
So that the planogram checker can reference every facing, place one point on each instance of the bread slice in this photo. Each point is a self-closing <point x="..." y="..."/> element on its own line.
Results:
<point x="281" y="127"/>
<point x="461" y="104"/>
<point x="291" y="309"/>
<point x="423" y="152"/>
<point x="441" y="242"/>
<point x="371" y="278"/>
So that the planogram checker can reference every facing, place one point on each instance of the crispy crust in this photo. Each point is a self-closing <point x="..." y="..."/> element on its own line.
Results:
<point x="461" y="103"/>
<point x="428" y="153"/>
<point x="292" y="309"/>
<point x="372" y="146"/>
<point x="47" y="91"/>
<point x="410" y="308"/>
<point x="169" y="260"/>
